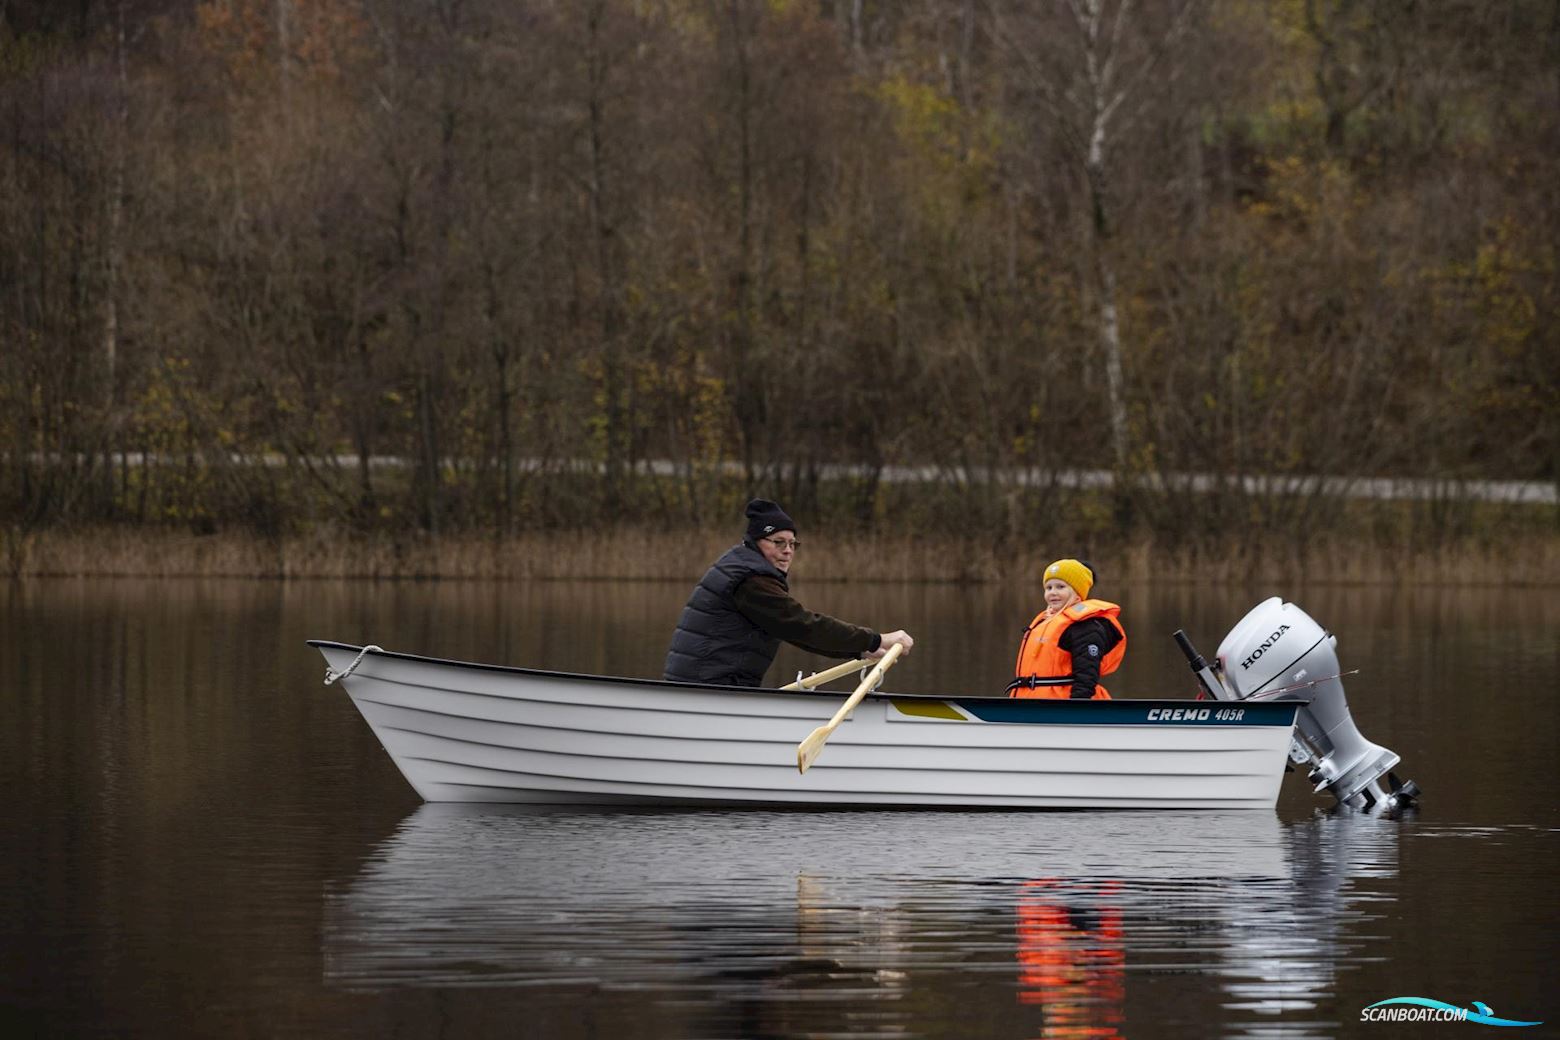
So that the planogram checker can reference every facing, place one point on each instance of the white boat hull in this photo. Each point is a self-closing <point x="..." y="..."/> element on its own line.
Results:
<point x="479" y="733"/>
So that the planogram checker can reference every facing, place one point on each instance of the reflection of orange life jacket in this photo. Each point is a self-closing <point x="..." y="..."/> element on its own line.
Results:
<point x="1040" y="655"/>
<point x="1072" y="957"/>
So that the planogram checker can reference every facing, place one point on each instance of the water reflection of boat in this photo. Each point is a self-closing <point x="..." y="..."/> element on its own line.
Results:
<point x="1283" y="951"/>
<point x="482" y="733"/>
<point x="1066" y="913"/>
<point x="516" y="890"/>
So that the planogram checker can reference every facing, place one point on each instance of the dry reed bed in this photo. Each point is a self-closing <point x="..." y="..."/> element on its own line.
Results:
<point x="682" y="555"/>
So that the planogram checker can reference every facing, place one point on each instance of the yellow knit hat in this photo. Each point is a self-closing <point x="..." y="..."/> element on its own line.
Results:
<point x="1073" y="573"/>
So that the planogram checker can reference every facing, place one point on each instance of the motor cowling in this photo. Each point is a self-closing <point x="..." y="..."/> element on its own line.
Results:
<point x="1277" y="651"/>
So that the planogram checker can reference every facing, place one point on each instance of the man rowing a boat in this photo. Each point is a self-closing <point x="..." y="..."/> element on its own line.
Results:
<point x="742" y="609"/>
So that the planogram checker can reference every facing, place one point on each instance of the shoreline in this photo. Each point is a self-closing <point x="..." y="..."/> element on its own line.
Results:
<point x="683" y="555"/>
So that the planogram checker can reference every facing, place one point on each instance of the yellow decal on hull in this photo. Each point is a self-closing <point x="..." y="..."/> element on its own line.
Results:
<point x="928" y="709"/>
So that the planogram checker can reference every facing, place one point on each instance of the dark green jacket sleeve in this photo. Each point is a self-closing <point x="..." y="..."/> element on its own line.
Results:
<point x="765" y="602"/>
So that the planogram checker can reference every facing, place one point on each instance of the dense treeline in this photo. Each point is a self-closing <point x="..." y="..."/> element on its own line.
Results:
<point x="517" y="249"/>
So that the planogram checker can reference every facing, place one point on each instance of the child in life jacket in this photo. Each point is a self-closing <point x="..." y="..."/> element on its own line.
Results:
<point x="1072" y="642"/>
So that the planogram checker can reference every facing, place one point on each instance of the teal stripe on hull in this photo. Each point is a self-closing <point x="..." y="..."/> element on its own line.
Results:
<point x="1040" y="711"/>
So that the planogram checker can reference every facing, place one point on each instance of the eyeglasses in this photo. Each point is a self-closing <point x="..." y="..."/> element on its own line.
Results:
<point x="783" y="543"/>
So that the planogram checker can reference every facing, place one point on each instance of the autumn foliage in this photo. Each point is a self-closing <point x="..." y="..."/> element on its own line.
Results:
<point x="516" y="264"/>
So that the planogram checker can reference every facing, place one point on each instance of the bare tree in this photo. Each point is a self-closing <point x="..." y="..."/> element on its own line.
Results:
<point x="1089" y="68"/>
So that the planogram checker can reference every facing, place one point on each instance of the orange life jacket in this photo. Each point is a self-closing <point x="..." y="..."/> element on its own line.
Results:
<point x="1040" y="655"/>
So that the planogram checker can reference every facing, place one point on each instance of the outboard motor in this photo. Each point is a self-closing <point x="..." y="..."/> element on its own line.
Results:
<point x="1277" y="652"/>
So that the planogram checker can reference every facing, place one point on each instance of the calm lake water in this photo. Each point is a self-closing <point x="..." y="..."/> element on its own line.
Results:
<point x="200" y="839"/>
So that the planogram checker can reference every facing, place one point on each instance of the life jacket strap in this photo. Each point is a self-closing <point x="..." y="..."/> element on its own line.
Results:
<point x="1030" y="682"/>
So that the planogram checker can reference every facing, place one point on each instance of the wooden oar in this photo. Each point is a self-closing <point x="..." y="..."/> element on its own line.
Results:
<point x="827" y="675"/>
<point x="808" y="749"/>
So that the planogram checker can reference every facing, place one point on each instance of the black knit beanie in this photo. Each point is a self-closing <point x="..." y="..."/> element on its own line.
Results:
<point x="764" y="518"/>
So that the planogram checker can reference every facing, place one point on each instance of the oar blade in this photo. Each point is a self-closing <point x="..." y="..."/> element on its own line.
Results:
<point x="807" y="751"/>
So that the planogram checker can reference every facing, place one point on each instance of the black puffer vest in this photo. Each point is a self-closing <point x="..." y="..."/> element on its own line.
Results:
<point x="714" y="643"/>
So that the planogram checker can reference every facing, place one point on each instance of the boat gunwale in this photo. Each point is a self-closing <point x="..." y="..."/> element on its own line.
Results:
<point x="320" y="644"/>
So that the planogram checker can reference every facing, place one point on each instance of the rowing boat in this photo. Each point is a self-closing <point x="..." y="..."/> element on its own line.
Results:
<point x="465" y="732"/>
